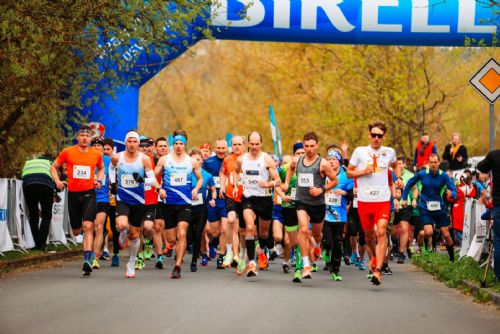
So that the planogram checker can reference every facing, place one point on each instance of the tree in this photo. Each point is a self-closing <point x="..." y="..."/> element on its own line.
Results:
<point x="55" y="52"/>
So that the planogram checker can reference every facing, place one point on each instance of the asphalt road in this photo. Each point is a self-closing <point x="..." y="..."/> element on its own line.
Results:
<point x="60" y="300"/>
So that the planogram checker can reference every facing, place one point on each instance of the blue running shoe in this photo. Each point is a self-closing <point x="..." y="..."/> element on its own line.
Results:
<point x="352" y="259"/>
<point x="204" y="260"/>
<point x="115" y="261"/>
<point x="212" y="252"/>
<point x="361" y="265"/>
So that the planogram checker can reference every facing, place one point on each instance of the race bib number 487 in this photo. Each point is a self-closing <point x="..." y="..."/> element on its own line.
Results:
<point x="178" y="179"/>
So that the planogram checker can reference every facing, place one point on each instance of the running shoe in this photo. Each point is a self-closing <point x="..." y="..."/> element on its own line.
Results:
<point x="361" y="265"/>
<point x="325" y="255"/>
<point x="314" y="268"/>
<point x="297" y="277"/>
<point x="336" y="277"/>
<point x="286" y="268"/>
<point x="148" y="250"/>
<point x="409" y="252"/>
<point x="95" y="264"/>
<point x="376" y="278"/>
<point x="401" y="258"/>
<point x="130" y="271"/>
<point x="194" y="267"/>
<point x="139" y="264"/>
<point x="306" y="272"/>
<point x="386" y="270"/>
<point x="240" y="269"/>
<point x="373" y="264"/>
<point x="228" y="259"/>
<point x="273" y="256"/>
<point x="252" y="270"/>
<point x="87" y="268"/>
<point x="220" y="262"/>
<point x="347" y="261"/>
<point x="353" y="258"/>
<point x="115" y="261"/>
<point x="317" y="252"/>
<point x="262" y="260"/>
<point x="204" y="260"/>
<point x="159" y="262"/>
<point x="327" y="267"/>
<point x="169" y="252"/>
<point x="176" y="273"/>
<point x="123" y="240"/>
<point x="212" y="252"/>
<point x="104" y="256"/>
<point x="370" y="275"/>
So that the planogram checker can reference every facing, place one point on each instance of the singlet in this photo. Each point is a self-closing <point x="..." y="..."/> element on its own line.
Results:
<point x="373" y="187"/>
<point x="177" y="178"/>
<point x="130" y="191"/>
<point x="81" y="167"/>
<point x="253" y="171"/>
<point x="102" y="195"/>
<point x="292" y="189"/>
<point x="307" y="177"/>
<point x="213" y="166"/>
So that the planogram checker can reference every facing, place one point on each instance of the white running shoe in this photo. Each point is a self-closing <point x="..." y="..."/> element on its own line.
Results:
<point x="130" y="270"/>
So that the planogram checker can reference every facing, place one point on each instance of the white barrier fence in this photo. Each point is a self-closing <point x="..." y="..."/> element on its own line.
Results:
<point x="15" y="231"/>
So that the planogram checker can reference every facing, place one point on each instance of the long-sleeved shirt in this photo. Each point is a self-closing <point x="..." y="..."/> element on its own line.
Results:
<point x="431" y="187"/>
<point x="492" y="163"/>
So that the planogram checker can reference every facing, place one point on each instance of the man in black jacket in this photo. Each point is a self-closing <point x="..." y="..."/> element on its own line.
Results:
<point x="38" y="188"/>
<point x="455" y="153"/>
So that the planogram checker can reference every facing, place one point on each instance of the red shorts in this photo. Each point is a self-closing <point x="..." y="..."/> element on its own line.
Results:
<point x="371" y="212"/>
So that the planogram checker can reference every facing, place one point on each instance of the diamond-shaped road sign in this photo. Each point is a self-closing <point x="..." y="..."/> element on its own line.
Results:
<point x="487" y="81"/>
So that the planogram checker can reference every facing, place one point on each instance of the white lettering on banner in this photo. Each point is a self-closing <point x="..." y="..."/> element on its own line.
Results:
<point x="178" y="179"/>
<point x="420" y="19"/>
<point x="81" y="172"/>
<point x="305" y="180"/>
<point x="369" y="19"/>
<point x="282" y="14"/>
<point x="332" y="199"/>
<point x="256" y="13"/>
<point x="433" y="206"/>
<point x="331" y="9"/>
<point x="467" y="19"/>
<point x="127" y="181"/>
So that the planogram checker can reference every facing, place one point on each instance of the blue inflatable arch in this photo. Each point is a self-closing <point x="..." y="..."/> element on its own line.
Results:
<point x="378" y="22"/>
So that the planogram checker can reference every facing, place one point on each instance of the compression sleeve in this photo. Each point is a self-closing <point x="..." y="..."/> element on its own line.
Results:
<point x="112" y="173"/>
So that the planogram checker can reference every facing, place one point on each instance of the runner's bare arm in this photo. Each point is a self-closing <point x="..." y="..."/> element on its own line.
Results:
<point x="273" y="172"/>
<point x="159" y="166"/>
<point x="353" y="173"/>
<point x="150" y="179"/>
<point x="223" y="182"/>
<point x="327" y="169"/>
<point x="55" y="175"/>
<point x="197" y="173"/>
<point x="289" y="173"/>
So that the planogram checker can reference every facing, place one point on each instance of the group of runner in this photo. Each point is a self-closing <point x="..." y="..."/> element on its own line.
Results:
<point x="308" y="206"/>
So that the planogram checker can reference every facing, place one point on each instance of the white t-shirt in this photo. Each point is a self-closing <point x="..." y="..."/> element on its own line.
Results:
<point x="374" y="187"/>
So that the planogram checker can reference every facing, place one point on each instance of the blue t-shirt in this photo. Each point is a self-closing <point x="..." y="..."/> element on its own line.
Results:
<point x="337" y="213"/>
<point x="213" y="165"/>
<point x="203" y="193"/>
<point x="102" y="194"/>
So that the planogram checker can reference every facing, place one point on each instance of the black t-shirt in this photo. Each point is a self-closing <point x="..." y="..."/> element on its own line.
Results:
<point x="492" y="163"/>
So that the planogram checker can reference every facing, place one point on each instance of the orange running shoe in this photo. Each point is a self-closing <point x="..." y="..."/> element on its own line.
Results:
<point x="376" y="278"/>
<point x="306" y="272"/>
<point x="373" y="264"/>
<point x="317" y="253"/>
<point x="262" y="260"/>
<point x="252" y="270"/>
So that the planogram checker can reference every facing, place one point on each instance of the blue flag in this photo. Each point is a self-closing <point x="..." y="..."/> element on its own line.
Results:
<point x="229" y="137"/>
<point x="275" y="133"/>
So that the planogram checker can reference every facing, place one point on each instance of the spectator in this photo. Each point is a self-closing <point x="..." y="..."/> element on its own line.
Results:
<point x="39" y="188"/>
<point x="425" y="147"/>
<point x="492" y="163"/>
<point x="455" y="153"/>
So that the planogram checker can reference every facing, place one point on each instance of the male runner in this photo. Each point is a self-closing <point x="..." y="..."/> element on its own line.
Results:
<point x="177" y="169"/>
<point x="257" y="168"/>
<point x="81" y="161"/>
<point x="312" y="170"/>
<point x="159" y="235"/>
<point x="370" y="166"/>
<point x="133" y="172"/>
<point x="430" y="203"/>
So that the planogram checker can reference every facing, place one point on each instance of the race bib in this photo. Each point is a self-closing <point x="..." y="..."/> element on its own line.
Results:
<point x="146" y="188"/>
<point x="199" y="201"/>
<point x="332" y="199"/>
<point x="127" y="181"/>
<point x="217" y="181"/>
<point x="373" y="192"/>
<point x="81" y="172"/>
<point x="252" y="181"/>
<point x="355" y="203"/>
<point x="433" y="206"/>
<point x="178" y="179"/>
<point x="305" y="180"/>
<point x="293" y="193"/>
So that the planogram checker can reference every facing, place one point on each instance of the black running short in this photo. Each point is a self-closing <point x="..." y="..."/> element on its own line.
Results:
<point x="261" y="206"/>
<point x="160" y="209"/>
<point x="354" y="224"/>
<point x="103" y="207"/>
<point x="232" y="205"/>
<point x="316" y="213"/>
<point x="150" y="212"/>
<point x="290" y="217"/>
<point x="173" y="214"/>
<point x="404" y="214"/>
<point x="135" y="213"/>
<point x="82" y="207"/>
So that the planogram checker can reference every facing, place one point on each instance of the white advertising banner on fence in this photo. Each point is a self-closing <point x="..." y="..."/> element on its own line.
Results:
<point x="24" y="236"/>
<point x="5" y="240"/>
<point x="56" y="226"/>
<point x="467" y="231"/>
<point x="481" y="230"/>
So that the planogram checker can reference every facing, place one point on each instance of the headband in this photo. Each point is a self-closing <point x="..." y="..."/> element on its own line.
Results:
<point x="297" y="146"/>
<point x="335" y="154"/>
<point x="205" y="146"/>
<point x="180" y="138"/>
<point x="132" y="134"/>
<point x="85" y="130"/>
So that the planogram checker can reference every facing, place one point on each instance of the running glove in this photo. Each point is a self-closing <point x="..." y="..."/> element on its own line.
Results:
<point x="138" y="178"/>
